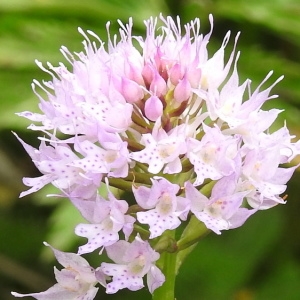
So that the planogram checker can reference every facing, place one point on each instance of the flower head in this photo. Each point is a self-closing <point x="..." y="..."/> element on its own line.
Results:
<point x="171" y="129"/>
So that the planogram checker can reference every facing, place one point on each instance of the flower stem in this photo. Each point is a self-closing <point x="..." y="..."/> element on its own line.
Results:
<point x="193" y="233"/>
<point x="167" y="290"/>
<point x="167" y="264"/>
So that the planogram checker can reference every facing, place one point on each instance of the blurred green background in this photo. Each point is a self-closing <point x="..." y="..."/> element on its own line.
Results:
<point x="259" y="261"/>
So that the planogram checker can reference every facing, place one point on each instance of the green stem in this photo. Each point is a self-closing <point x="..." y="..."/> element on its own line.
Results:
<point x="126" y="183"/>
<point x="142" y="232"/>
<point x="194" y="231"/>
<point x="167" y="290"/>
<point x="167" y="264"/>
<point x="192" y="234"/>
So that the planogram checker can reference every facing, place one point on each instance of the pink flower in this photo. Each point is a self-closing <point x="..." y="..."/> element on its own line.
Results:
<point x="164" y="207"/>
<point x="55" y="163"/>
<point x="110" y="158"/>
<point x="106" y="217"/>
<point x="228" y="104"/>
<point x="76" y="281"/>
<point x="214" y="155"/>
<point x="132" y="262"/>
<point x="224" y="209"/>
<point x="263" y="177"/>
<point x="162" y="150"/>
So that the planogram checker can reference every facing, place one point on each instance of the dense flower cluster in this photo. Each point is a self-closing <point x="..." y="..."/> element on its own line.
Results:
<point x="161" y="119"/>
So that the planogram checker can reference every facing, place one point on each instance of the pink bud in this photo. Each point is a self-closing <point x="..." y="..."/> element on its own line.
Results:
<point x="194" y="75"/>
<point x="158" y="85"/>
<point x="175" y="74"/>
<point x="147" y="73"/>
<point x="158" y="58"/>
<point x="131" y="91"/>
<point x="133" y="72"/>
<point x="153" y="108"/>
<point x="182" y="91"/>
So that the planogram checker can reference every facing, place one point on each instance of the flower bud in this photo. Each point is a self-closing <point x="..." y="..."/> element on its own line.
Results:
<point x="153" y="108"/>
<point x="131" y="91"/>
<point x="182" y="91"/>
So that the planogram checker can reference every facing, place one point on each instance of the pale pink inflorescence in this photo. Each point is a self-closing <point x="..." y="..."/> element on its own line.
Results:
<point x="160" y="118"/>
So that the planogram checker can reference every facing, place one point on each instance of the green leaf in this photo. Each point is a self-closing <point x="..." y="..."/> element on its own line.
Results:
<point x="281" y="16"/>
